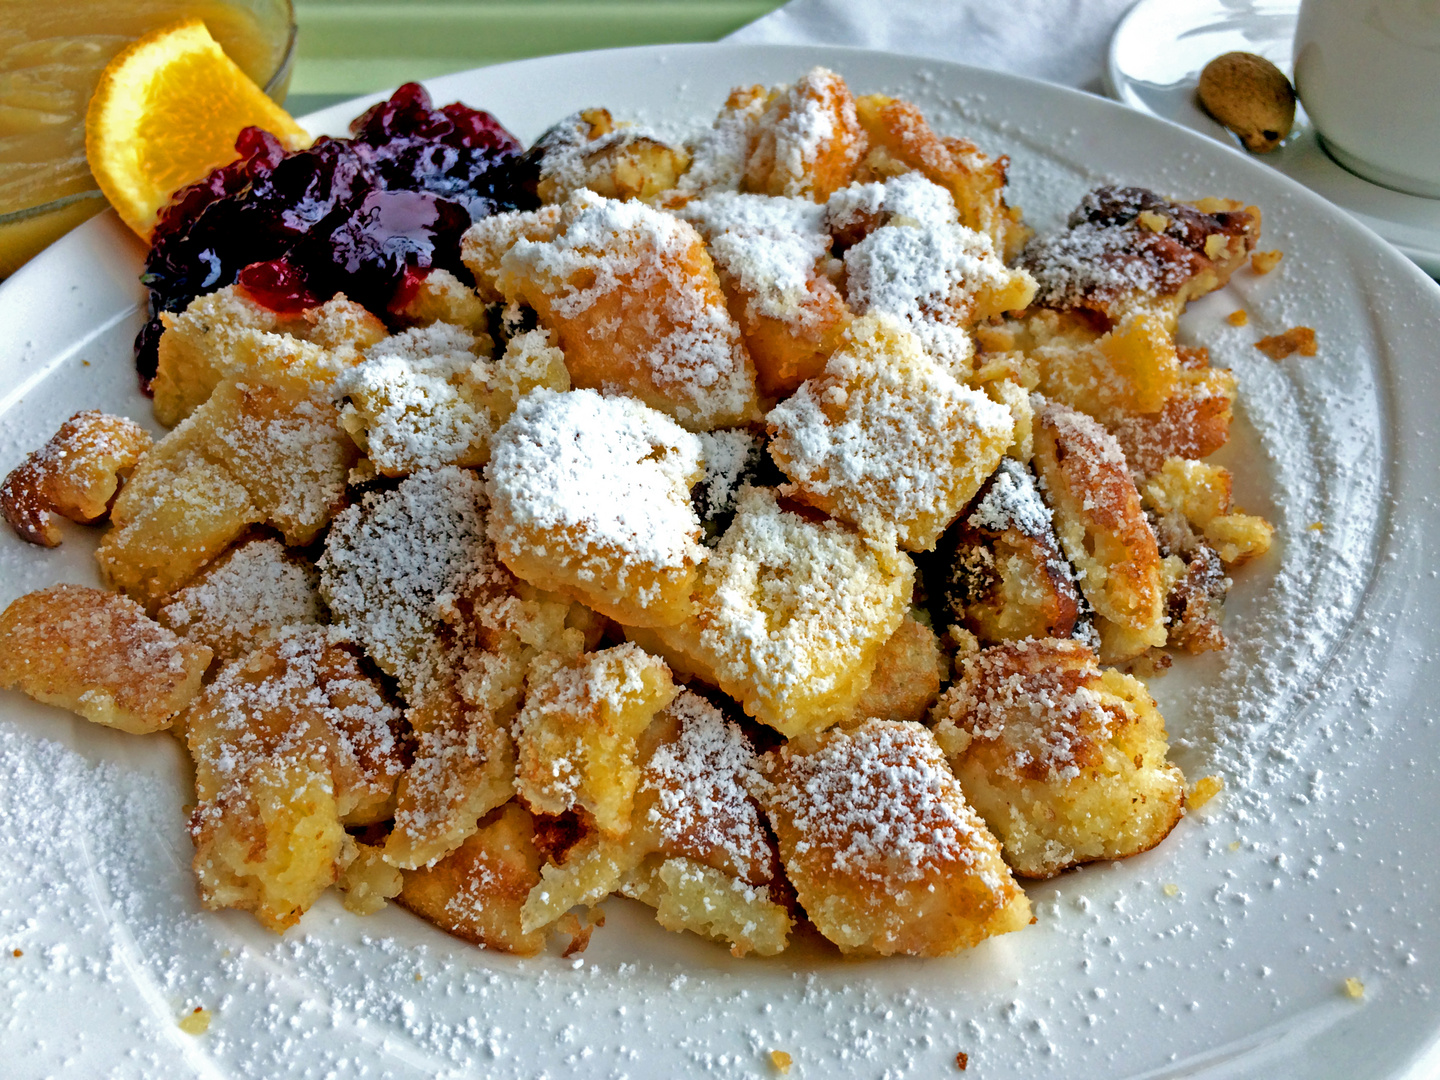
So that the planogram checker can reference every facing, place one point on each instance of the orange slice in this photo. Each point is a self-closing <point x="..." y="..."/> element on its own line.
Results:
<point x="167" y="111"/>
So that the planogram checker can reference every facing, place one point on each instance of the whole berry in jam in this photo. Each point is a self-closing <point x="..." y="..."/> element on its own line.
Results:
<point x="368" y="216"/>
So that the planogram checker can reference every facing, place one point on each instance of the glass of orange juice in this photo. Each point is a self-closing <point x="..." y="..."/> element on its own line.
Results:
<point x="51" y="55"/>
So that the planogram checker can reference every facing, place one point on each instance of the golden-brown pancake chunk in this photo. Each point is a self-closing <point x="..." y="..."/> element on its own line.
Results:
<point x="901" y="141"/>
<point x="1066" y="763"/>
<point x="75" y="474"/>
<point x="1158" y="399"/>
<point x="691" y="896"/>
<point x="773" y="258"/>
<point x="418" y="400"/>
<point x="389" y="560"/>
<point x="884" y="853"/>
<point x="485" y="243"/>
<point x="1129" y="248"/>
<point x="693" y="797"/>
<point x="1102" y="528"/>
<point x="290" y="743"/>
<point x="713" y="868"/>
<point x="590" y="496"/>
<point x="463" y="767"/>
<point x="907" y="675"/>
<point x="886" y="439"/>
<point x="266" y="446"/>
<point x="223" y="332"/>
<point x="938" y="279"/>
<point x="633" y="300"/>
<point x="530" y="362"/>
<point x="244" y="599"/>
<point x="808" y="140"/>
<point x="99" y="655"/>
<point x="790" y="615"/>
<point x="441" y="297"/>
<point x="619" y="161"/>
<point x="1198" y="495"/>
<point x="576" y="734"/>
<point x="476" y="892"/>
<point x="1000" y="570"/>
<point x="178" y="512"/>
<point x="1133" y="368"/>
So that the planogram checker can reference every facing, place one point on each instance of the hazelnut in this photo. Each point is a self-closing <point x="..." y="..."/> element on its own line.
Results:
<point x="1251" y="97"/>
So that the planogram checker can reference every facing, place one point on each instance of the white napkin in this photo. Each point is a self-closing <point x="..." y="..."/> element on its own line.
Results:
<point x="1063" y="41"/>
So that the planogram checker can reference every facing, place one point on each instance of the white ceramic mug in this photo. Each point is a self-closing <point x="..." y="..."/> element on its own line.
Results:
<point x="1368" y="73"/>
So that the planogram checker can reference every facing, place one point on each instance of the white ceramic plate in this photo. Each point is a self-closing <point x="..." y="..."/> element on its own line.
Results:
<point x="1316" y="864"/>
<point x="1156" y="55"/>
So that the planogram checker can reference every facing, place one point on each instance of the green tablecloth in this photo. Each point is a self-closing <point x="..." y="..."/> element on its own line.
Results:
<point x="349" y="47"/>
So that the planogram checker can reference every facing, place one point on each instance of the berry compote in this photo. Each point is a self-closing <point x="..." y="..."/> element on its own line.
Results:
<point x="368" y="216"/>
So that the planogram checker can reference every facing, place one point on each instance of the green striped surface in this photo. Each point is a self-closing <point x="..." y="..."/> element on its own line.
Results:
<point x="347" y="47"/>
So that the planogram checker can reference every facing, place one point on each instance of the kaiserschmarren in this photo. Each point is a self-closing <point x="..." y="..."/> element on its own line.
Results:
<point x="767" y="527"/>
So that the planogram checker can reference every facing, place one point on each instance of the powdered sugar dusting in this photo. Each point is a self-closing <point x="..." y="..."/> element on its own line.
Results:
<point x="695" y="357"/>
<point x="248" y="598"/>
<point x="391" y="561"/>
<point x="702" y="781"/>
<point x="612" y="469"/>
<point x="927" y="278"/>
<point x="769" y="247"/>
<point x="879" y="800"/>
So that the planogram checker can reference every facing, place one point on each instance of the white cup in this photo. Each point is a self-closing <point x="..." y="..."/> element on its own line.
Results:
<point x="1368" y="73"/>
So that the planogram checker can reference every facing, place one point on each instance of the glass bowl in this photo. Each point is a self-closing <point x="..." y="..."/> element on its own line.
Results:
<point x="269" y="59"/>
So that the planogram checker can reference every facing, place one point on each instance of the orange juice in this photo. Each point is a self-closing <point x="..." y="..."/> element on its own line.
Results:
<point x="51" y="54"/>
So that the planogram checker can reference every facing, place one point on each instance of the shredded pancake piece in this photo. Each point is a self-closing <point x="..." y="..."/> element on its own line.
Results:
<point x="476" y="892"/>
<point x="772" y="254"/>
<point x="227" y="332"/>
<point x="390" y="560"/>
<point x="99" y="655"/>
<point x="589" y="150"/>
<point x="884" y="853"/>
<point x="693" y="798"/>
<point x="938" y="280"/>
<point x="418" y="400"/>
<point x="1102" y="528"/>
<point x="245" y="598"/>
<point x="290" y="744"/>
<point x="1000" y="568"/>
<point x="590" y="496"/>
<point x="1110" y="259"/>
<point x="266" y="446"/>
<point x="902" y="141"/>
<point x="887" y="439"/>
<point x="577" y="734"/>
<point x="75" y="474"/>
<point x="1066" y="763"/>
<point x="634" y="302"/>
<point x="790" y="615"/>
<point x="807" y="141"/>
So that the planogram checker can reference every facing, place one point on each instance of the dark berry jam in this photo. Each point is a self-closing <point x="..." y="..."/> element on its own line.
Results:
<point x="368" y="216"/>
